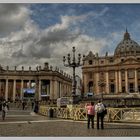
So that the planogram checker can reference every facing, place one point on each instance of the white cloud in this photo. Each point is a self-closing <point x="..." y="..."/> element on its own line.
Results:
<point x="31" y="46"/>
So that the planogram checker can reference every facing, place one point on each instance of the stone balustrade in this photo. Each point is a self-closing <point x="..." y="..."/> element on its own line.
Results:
<point x="78" y="113"/>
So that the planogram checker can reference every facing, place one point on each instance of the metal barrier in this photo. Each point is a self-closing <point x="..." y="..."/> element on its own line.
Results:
<point x="77" y="113"/>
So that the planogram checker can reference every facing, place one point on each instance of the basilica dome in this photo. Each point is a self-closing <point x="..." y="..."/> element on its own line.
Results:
<point x="127" y="47"/>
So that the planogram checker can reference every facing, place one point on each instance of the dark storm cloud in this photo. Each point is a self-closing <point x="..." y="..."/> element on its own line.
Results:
<point x="12" y="17"/>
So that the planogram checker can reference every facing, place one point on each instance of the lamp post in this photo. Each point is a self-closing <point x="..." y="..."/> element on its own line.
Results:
<point x="71" y="62"/>
<point x="36" y="89"/>
<point x="37" y="85"/>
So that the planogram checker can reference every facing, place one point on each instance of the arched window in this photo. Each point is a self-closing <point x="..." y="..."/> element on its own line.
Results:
<point x="90" y="86"/>
<point x="90" y="62"/>
<point x="112" y="88"/>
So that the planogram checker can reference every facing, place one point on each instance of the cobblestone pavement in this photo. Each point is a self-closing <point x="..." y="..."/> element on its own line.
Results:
<point x="25" y="123"/>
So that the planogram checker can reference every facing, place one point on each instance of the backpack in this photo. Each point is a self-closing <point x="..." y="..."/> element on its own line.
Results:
<point x="100" y="108"/>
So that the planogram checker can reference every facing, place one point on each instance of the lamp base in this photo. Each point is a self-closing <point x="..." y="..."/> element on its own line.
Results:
<point x="74" y="99"/>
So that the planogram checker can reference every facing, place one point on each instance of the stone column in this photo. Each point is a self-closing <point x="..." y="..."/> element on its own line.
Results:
<point x="126" y="81"/>
<point x="60" y="89"/>
<point x="66" y="92"/>
<point x="97" y="83"/>
<point x="70" y="89"/>
<point x="85" y="83"/>
<point x="29" y="83"/>
<point x="116" y="81"/>
<point x="107" y="83"/>
<point x="63" y="90"/>
<point x="120" y="82"/>
<point x="56" y="90"/>
<point x="21" y="90"/>
<point x="136" y="81"/>
<point x="14" y="89"/>
<point x="6" y="90"/>
<point x="51" y="89"/>
<point x="48" y="89"/>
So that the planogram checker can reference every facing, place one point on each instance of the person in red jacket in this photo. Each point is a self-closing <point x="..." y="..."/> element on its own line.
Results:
<point x="90" y="114"/>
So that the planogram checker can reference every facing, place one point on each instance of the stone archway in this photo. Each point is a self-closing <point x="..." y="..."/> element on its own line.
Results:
<point x="112" y="88"/>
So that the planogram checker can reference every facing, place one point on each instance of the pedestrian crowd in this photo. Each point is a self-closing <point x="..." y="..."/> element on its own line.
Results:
<point x="99" y="110"/>
<point x="23" y="104"/>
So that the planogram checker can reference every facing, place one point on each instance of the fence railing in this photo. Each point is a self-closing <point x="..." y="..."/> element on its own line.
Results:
<point x="123" y="114"/>
<point x="77" y="113"/>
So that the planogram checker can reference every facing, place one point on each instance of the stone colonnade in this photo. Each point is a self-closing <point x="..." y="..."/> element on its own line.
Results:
<point x="55" y="88"/>
<point x="118" y="81"/>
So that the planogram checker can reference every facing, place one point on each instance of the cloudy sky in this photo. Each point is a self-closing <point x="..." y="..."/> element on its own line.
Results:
<point x="31" y="34"/>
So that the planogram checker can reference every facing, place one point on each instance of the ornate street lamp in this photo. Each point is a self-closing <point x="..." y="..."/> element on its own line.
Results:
<point x="36" y="97"/>
<point x="71" y="62"/>
<point x="36" y="89"/>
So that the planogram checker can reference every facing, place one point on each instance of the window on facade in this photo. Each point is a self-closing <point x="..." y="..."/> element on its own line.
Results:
<point x="123" y="74"/>
<point x="131" y="74"/>
<point x="102" y="62"/>
<point x="122" y="60"/>
<point x="138" y="74"/>
<point x="90" y="86"/>
<point x="138" y="58"/>
<point x="132" y="52"/>
<point x="102" y="76"/>
<point x="112" y="88"/>
<point x="90" y="62"/>
<point x="139" y="88"/>
<point x="131" y="87"/>
<point x="102" y="73"/>
<point x="111" y="60"/>
<point x="112" y="74"/>
<point x="90" y="75"/>
<point x="123" y="89"/>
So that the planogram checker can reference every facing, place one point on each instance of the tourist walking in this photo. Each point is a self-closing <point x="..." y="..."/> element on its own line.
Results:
<point x="36" y="107"/>
<point x="0" y="105"/>
<point x="23" y="105"/>
<point x="4" y="110"/>
<point x="90" y="114"/>
<point x="33" y="105"/>
<point x="99" y="108"/>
